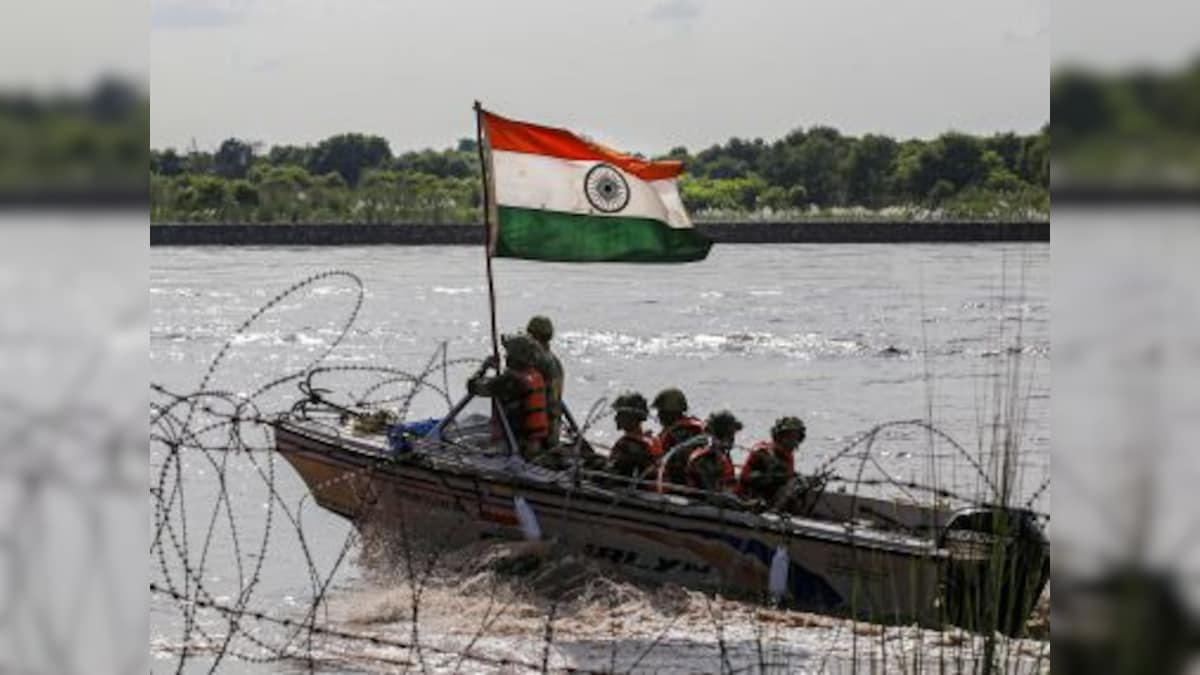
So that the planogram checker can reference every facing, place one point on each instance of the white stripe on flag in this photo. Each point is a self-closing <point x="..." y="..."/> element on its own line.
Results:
<point x="551" y="184"/>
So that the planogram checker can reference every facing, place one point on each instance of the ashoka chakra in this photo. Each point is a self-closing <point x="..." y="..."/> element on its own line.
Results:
<point x="606" y="188"/>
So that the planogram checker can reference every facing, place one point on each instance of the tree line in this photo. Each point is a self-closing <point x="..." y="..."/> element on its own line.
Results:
<point x="1137" y="126"/>
<point x="356" y="177"/>
<point x="68" y="144"/>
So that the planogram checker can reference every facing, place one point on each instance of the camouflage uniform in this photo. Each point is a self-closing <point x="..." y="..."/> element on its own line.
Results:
<point x="510" y="390"/>
<point x="770" y="466"/>
<point x="763" y="474"/>
<point x="542" y="330"/>
<point x="636" y="451"/>
<point x="709" y="468"/>
<point x="678" y="427"/>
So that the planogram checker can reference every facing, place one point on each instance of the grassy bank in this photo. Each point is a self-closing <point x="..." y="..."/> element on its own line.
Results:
<point x="809" y="173"/>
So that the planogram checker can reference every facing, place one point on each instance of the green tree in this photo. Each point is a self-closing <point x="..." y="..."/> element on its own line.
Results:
<point x="450" y="163"/>
<point x="1007" y="146"/>
<point x="727" y="167"/>
<point x="233" y="159"/>
<point x="958" y="158"/>
<point x="818" y="163"/>
<point x="941" y="191"/>
<point x="353" y="177"/>
<point x="349" y="155"/>
<point x="1079" y="105"/>
<point x="797" y="196"/>
<point x="868" y="168"/>
<point x="774" y="198"/>
<point x="241" y="202"/>
<point x="1034" y="164"/>
<point x="745" y="151"/>
<point x="282" y="155"/>
<point x="678" y="153"/>
<point x="201" y="197"/>
<point x="282" y="193"/>
<point x="199" y="162"/>
<point x="167" y="163"/>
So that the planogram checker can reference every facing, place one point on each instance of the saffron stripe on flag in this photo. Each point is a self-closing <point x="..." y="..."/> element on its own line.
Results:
<point x="505" y="134"/>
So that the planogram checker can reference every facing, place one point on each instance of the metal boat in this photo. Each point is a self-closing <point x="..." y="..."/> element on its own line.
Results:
<point x="981" y="567"/>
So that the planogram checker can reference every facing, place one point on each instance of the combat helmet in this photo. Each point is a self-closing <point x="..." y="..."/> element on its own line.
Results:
<point x="540" y="328"/>
<point x="670" y="399"/>
<point x="789" y="423"/>
<point x="520" y="348"/>
<point x="722" y="424"/>
<point x="632" y="403"/>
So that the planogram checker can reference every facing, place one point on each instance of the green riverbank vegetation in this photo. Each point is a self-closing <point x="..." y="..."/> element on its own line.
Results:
<point x="1137" y="128"/>
<point x="815" y="172"/>
<point x="74" y="145"/>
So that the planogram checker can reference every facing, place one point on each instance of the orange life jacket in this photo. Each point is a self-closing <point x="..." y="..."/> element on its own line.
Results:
<point x="653" y="443"/>
<point x="727" y="472"/>
<point x="687" y="422"/>
<point x="675" y="470"/>
<point x="648" y="441"/>
<point x="782" y="454"/>
<point x="771" y="449"/>
<point x="535" y="422"/>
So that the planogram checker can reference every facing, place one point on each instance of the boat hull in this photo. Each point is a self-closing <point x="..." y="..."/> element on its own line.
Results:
<point x="655" y="538"/>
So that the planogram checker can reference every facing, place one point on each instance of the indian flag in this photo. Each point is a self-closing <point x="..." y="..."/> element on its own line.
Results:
<point x="556" y="196"/>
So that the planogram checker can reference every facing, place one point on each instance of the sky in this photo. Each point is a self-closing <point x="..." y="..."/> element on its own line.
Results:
<point x="57" y="45"/>
<point x="1114" y="35"/>
<point x="642" y="76"/>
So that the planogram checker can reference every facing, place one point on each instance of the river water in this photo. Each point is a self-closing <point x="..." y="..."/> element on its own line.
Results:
<point x="845" y="336"/>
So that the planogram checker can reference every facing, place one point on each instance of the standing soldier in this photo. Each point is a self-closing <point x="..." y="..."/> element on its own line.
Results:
<point x="771" y="464"/>
<point x="520" y="392"/>
<point x="677" y="427"/>
<point x="710" y="468"/>
<point x="637" y="450"/>
<point x="541" y="330"/>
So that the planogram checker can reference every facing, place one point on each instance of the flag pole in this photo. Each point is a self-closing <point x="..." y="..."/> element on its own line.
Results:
<point x="497" y="411"/>
<point x="487" y="228"/>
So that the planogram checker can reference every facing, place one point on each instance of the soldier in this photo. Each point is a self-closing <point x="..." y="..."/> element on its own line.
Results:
<point x="636" y="451"/>
<point x="710" y="468"/>
<point x="542" y="330"/>
<point x="771" y="464"/>
<point x="521" y="393"/>
<point x="677" y="427"/>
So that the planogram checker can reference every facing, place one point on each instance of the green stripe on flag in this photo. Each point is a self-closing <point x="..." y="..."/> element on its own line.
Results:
<point x="570" y="237"/>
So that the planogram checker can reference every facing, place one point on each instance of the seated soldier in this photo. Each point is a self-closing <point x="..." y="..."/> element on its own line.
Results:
<point x="520" y="392"/>
<point x="710" y="468"/>
<point x="636" y="452"/>
<point x="771" y="464"/>
<point x="677" y="428"/>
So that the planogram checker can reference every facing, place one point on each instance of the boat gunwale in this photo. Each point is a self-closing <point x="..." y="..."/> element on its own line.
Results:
<point x="640" y="501"/>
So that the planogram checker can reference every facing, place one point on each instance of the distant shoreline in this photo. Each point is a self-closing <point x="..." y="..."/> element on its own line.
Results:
<point x="829" y="231"/>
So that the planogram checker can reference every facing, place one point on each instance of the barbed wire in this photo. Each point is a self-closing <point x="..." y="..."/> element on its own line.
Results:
<point x="220" y="510"/>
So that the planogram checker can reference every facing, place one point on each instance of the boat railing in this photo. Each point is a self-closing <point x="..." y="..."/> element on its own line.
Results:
<point x="640" y="485"/>
<point x="854" y="510"/>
